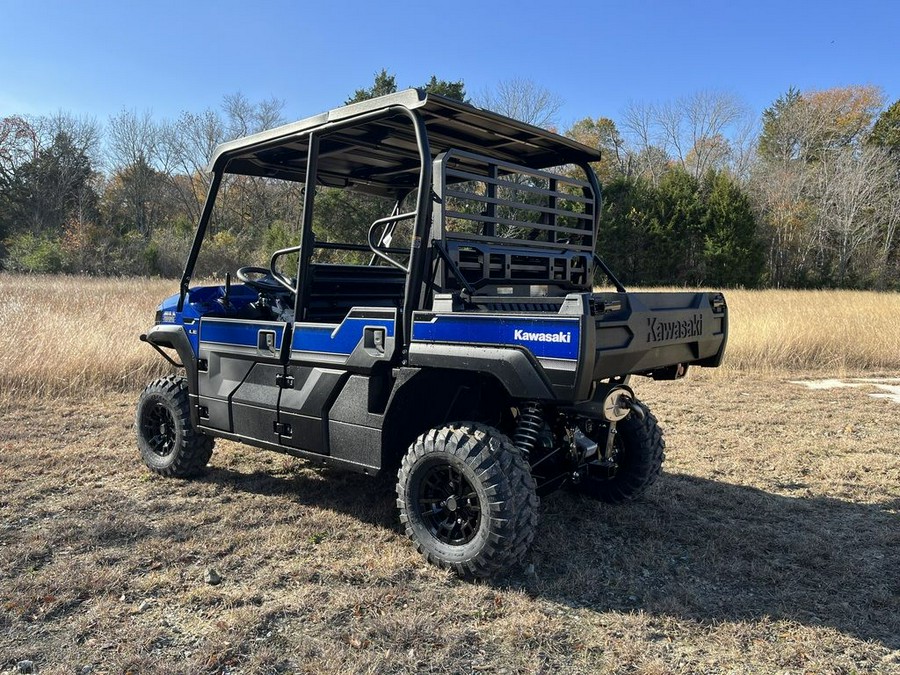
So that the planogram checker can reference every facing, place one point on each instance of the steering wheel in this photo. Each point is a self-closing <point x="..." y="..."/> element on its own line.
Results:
<point x="266" y="283"/>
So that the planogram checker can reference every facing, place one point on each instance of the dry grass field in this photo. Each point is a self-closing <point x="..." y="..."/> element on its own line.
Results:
<point x="829" y="332"/>
<point x="771" y="544"/>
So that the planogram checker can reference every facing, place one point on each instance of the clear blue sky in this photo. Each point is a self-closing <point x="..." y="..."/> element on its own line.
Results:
<point x="94" y="57"/>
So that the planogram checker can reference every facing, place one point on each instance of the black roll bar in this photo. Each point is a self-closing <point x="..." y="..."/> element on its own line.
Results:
<point x="198" y="237"/>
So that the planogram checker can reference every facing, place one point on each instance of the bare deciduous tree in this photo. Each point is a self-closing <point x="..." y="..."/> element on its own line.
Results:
<point x="524" y="100"/>
<point x="18" y="144"/>
<point x="743" y="148"/>
<point x="787" y="217"/>
<point x="187" y="145"/>
<point x="695" y="131"/>
<point x="857" y="202"/>
<point x="651" y="159"/>
<point x="133" y="148"/>
<point x="813" y="163"/>
<point x="245" y="117"/>
<point x="132" y="137"/>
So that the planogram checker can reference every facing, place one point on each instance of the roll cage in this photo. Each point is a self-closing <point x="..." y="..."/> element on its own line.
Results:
<point x="393" y="146"/>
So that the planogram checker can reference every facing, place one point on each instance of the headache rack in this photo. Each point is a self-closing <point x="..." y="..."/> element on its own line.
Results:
<point x="507" y="228"/>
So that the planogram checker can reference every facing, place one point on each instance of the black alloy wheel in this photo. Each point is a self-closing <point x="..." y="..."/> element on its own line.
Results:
<point x="449" y="505"/>
<point x="158" y="428"/>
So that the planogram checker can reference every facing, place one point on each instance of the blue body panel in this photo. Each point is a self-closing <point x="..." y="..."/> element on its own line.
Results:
<point x="337" y="339"/>
<point x="552" y="337"/>
<point x="238" y="333"/>
<point x="334" y="338"/>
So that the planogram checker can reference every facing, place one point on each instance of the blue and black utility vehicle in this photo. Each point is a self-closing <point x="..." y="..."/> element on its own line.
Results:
<point x="456" y="342"/>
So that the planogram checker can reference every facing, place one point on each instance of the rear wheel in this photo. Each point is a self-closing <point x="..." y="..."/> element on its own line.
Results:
<point x="168" y="441"/>
<point x="467" y="499"/>
<point x="638" y="454"/>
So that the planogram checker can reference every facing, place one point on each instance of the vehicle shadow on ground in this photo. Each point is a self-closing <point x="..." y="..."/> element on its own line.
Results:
<point x="712" y="551"/>
<point x="692" y="548"/>
<point x="370" y="500"/>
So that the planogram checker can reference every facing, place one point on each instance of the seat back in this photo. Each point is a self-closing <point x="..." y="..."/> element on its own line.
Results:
<point x="335" y="289"/>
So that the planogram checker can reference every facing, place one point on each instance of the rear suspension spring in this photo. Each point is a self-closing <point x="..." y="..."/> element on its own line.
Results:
<point x="528" y="429"/>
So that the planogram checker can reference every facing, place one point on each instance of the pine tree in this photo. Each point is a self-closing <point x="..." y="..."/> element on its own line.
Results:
<point x="385" y="83"/>
<point x="780" y="138"/>
<point x="733" y="252"/>
<point x="455" y="90"/>
<point x="886" y="132"/>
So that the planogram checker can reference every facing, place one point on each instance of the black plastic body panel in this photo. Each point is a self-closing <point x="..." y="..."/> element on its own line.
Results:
<point x="515" y="368"/>
<point x="356" y="418"/>
<point x="294" y="452"/>
<point x="326" y="410"/>
<point x="254" y="404"/>
<point x="237" y="383"/>
<point x="216" y="383"/>
<point x="305" y="404"/>
<point x="174" y="337"/>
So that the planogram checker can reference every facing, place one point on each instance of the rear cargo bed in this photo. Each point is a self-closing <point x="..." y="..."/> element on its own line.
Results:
<point x="653" y="333"/>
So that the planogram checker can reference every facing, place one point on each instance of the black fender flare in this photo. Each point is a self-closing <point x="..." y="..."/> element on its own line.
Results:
<point x="174" y="337"/>
<point x="515" y="369"/>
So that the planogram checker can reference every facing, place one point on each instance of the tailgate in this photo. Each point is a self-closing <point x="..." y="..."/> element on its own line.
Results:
<point x="652" y="333"/>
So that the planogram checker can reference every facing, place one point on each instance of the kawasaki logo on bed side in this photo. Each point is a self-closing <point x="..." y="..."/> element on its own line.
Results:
<point x="663" y="331"/>
<point x="561" y="336"/>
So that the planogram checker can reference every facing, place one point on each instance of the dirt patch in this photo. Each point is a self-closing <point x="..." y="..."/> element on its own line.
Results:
<point x="887" y="387"/>
<point x="770" y="544"/>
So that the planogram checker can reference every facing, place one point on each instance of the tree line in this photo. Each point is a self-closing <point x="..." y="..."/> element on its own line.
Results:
<point x="697" y="191"/>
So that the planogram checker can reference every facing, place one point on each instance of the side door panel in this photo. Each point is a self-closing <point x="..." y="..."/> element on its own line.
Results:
<point x="240" y="366"/>
<point x="254" y="404"/>
<point x="302" y="404"/>
<point x="218" y="376"/>
<point x="322" y="358"/>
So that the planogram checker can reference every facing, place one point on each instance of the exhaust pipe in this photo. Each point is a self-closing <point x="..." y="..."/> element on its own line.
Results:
<point x="619" y="403"/>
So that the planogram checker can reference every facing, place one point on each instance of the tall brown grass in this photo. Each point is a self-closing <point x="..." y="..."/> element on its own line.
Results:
<point x="64" y="336"/>
<point x="832" y="332"/>
<point x="67" y="335"/>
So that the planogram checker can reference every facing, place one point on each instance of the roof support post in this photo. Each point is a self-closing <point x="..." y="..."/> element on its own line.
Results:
<point x="420" y="251"/>
<point x="198" y="237"/>
<point x="306" y="234"/>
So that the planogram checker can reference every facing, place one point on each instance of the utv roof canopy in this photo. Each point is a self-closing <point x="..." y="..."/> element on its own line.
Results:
<point x="373" y="145"/>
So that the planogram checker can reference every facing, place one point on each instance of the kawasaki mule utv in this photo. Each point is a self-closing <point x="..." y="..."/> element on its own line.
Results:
<point x="456" y="343"/>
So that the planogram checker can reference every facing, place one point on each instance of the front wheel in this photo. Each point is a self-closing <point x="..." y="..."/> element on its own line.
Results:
<point x="467" y="499"/>
<point x="168" y="441"/>
<point x="638" y="454"/>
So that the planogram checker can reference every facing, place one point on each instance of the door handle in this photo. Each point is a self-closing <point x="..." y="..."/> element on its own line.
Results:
<point x="373" y="340"/>
<point x="265" y="341"/>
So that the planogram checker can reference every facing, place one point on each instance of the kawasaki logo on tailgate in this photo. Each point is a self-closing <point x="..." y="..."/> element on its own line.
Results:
<point x="561" y="336"/>
<point x="663" y="331"/>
